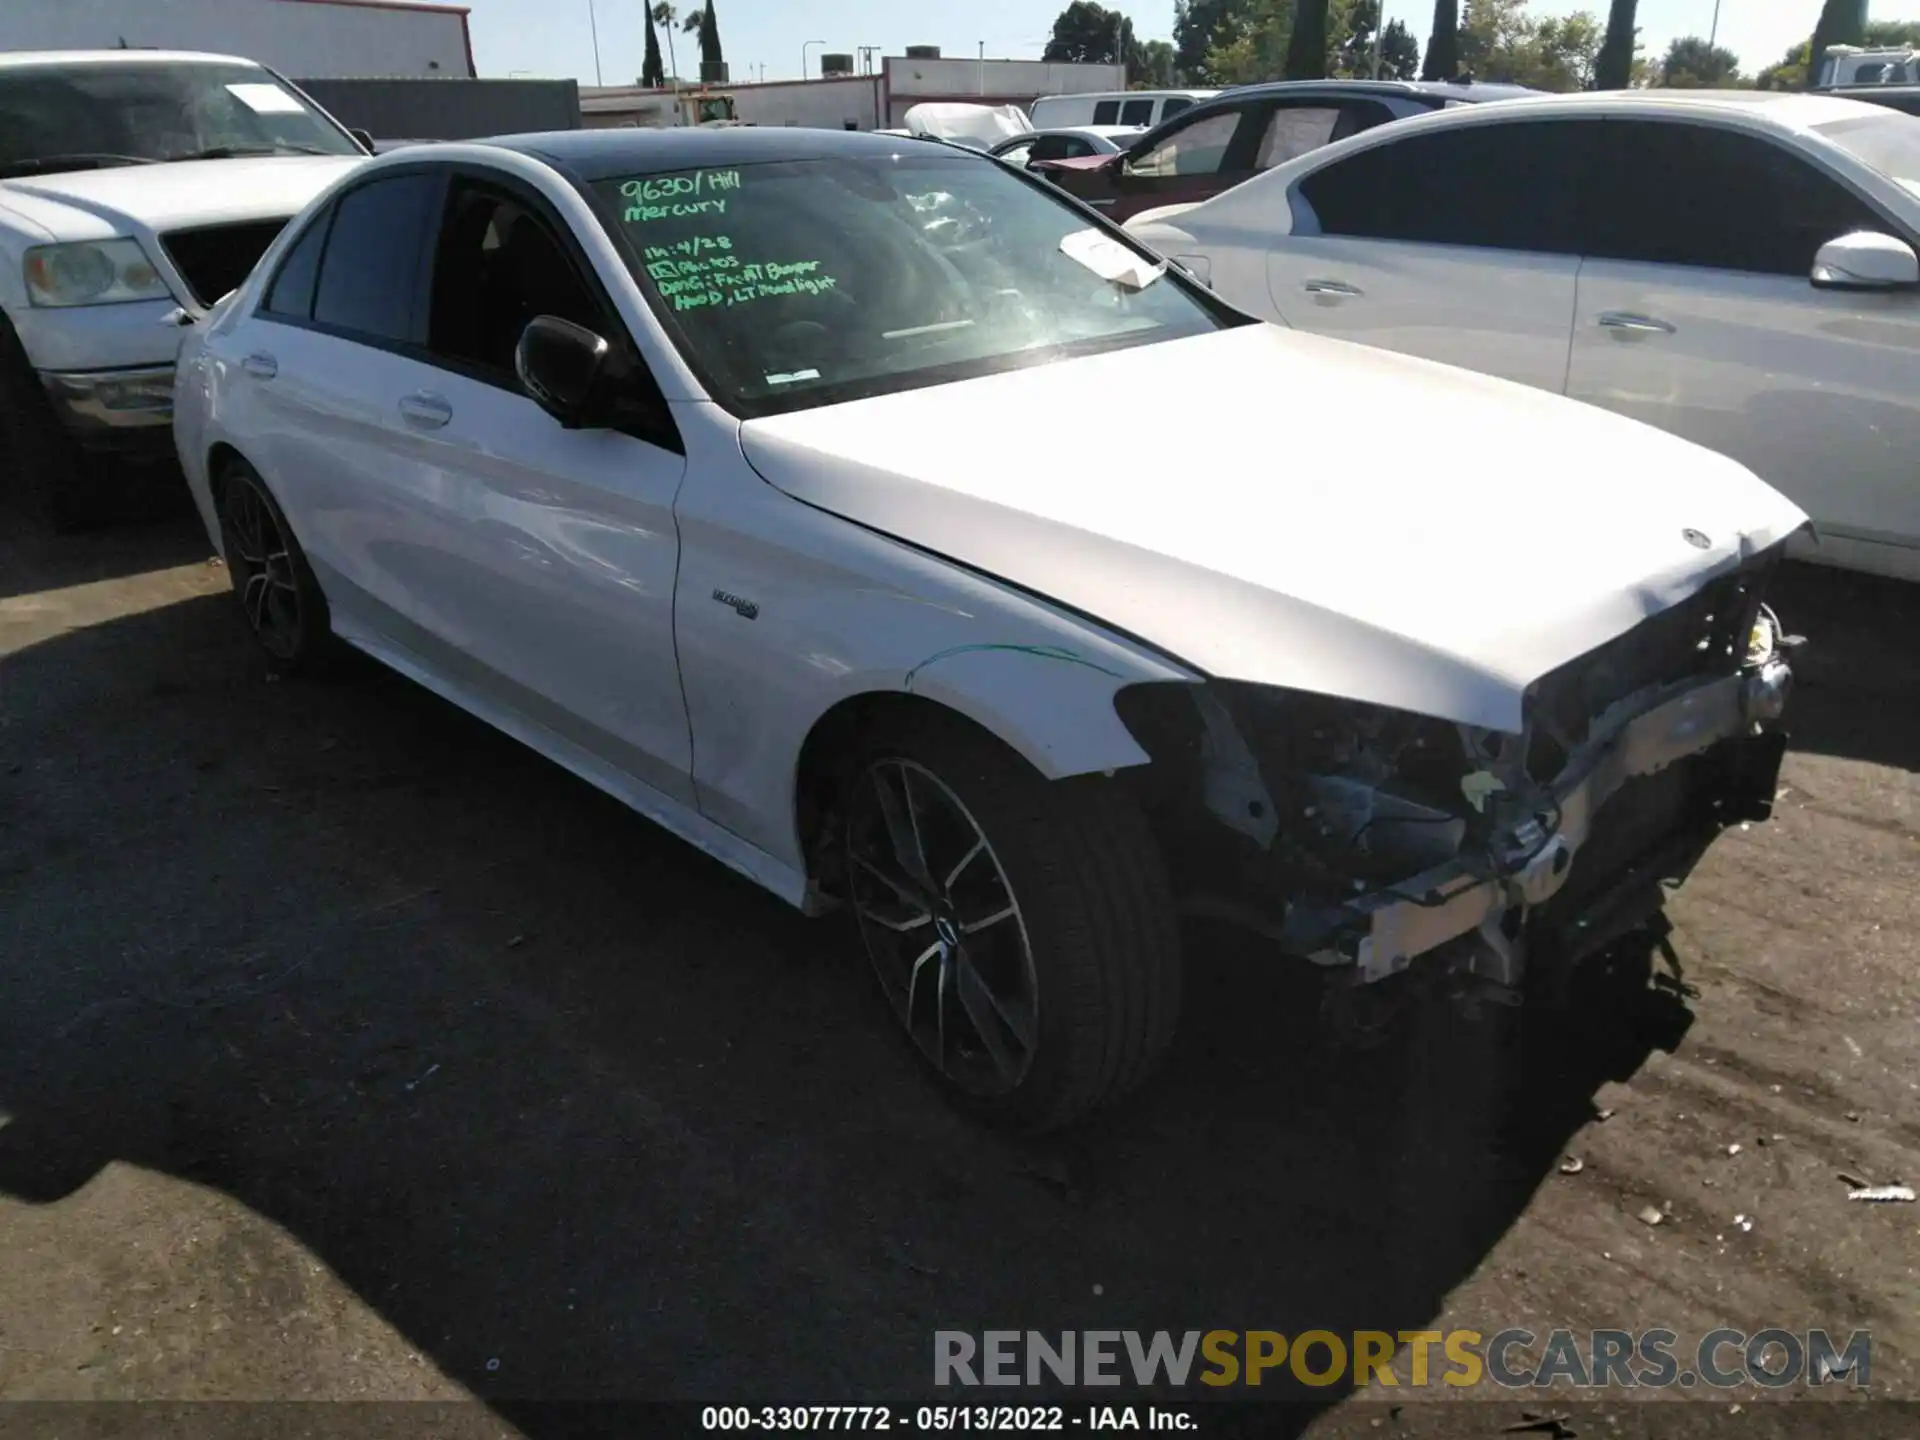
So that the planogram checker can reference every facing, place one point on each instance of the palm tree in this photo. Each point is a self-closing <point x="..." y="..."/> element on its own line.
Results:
<point x="702" y="22"/>
<point x="651" y="74"/>
<point x="1614" y="69"/>
<point x="665" y="15"/>
<point x="1443" y="48"/>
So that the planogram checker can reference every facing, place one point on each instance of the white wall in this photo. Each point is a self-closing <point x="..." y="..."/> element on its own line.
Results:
<point x="825" y="104"/>
<point x="953" y="77"/>
<point x="303" y="39"/>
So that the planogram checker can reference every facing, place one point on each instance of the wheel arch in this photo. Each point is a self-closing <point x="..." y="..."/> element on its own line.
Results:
<point x="1051" y="708"/>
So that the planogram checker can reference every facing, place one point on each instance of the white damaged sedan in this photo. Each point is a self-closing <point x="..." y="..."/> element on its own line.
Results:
<point x="771" y="481"/>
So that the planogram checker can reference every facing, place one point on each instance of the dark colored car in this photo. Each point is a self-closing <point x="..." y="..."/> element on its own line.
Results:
<point x="1905" y="98"/>
<point x="1237" y="134"/>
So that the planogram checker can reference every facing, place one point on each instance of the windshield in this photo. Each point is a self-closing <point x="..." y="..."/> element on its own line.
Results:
<point x="1886" y="140"/>
<point x="129" y="112"/>
<point x="805" y="283"/>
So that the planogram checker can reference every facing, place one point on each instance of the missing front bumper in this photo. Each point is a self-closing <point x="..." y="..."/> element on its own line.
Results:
<point x="1699" y="764"/>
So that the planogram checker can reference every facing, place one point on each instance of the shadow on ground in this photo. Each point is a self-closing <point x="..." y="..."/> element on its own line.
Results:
<point x="1858" y="676"/>
<point x="585" y="1116"/>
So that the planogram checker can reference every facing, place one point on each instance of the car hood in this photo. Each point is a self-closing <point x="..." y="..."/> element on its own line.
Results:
<point x="135" y="199"/>
<point x="1296" y="511"/>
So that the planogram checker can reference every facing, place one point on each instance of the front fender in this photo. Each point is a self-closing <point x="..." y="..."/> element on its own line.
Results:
<point x="1051" y="703"/>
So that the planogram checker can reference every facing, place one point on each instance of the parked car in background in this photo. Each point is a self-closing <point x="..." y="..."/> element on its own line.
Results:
<point x="137" y="187"/>
<point x="1904" y="98"/>
<point x="1067" y="144"/>
<point x="1143" y="108"/>
<point x="1735" y="267"/>
<point x="702" y="463"/>
<point x="1241" y="132"/>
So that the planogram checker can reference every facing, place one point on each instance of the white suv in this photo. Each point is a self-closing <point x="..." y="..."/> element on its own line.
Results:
<point x="137" y="188"/>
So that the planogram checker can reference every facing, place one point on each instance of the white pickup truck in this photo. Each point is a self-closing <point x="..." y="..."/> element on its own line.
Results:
<point x="137" y="187"/>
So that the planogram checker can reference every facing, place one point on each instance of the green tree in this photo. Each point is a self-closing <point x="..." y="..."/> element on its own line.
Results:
<point x="667" y="16"/>
<point x="1351" y="54"/>
<point x="1158" y="68"/>
<point x="1614" y="69"/>
<point x="1789" y="74"/>
<point x="1500" y="41"/>
<point x="653" y="74"/>
<point x="1443" y="43"/>
<point x="1892" y="32"/>
<point x="1199" y="28"/>
<point x="1252" y="43"/>
<point x="1692" y="64"/>
<point x="706" y="25"/>
<point x="1307" y="45"/>
<point x="1087" y="33"/>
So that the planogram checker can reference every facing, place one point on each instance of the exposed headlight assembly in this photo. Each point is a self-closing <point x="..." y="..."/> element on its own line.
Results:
<point x="91" y="272"/>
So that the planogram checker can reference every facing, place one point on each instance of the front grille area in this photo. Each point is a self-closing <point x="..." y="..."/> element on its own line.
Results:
<point x="217" y="258"/>
<point x="1702" y="636"/>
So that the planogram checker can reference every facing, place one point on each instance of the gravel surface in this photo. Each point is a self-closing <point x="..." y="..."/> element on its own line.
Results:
<point x="350" y="1051"/>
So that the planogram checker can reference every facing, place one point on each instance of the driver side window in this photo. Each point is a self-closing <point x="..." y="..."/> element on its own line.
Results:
<point x="1198" y="148"/>
<point x="498" y="266"/>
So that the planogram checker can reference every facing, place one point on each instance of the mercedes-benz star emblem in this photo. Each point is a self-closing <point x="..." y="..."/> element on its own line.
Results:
<point x="1697" y="539"/>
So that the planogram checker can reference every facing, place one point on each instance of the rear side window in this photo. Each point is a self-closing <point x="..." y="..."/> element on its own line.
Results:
<point x="291" y="294"/>
<point x="1173" y="106"/>
<point x="1106" y="112"/>
<point x="1292" y="131"/>
<point x="1679" y="194"/>
<point x="370" y="277"/>
<point x="1137" y="112"/>
<point x="1504" y="187"/>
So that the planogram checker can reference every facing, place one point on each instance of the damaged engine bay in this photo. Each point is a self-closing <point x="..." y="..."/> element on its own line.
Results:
<point x="1362" y="839"/>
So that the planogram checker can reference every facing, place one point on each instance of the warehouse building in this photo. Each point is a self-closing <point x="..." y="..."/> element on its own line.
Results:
<point x="876" y="101"/>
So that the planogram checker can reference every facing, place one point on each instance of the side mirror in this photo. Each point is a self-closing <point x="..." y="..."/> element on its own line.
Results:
<point x="561" y="366"/>
<point x="363" y="138"/>
<point x="1866" y="260"/>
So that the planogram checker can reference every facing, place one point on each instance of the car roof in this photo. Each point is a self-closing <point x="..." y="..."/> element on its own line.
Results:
<point x="1796" y="110"/>
<point x="1472" y="91"/>
<point x="604" y="154"/>
<point x="45" y="59"/>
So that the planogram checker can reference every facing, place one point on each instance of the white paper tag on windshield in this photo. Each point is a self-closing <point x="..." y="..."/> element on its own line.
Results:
<point x="1110" y="260"/>
<point x="266" y="99"/>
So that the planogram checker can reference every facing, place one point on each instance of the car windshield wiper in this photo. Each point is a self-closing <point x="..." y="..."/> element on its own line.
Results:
<point x="236" y="152"/>
<point x="86" y="160"/>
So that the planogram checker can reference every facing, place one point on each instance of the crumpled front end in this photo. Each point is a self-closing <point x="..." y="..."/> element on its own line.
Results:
<point x="1365" y="839"/>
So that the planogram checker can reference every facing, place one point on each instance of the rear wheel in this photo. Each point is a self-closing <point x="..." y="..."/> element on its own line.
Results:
<point x="275" y="586"/>
<point x="1022" y="930"/>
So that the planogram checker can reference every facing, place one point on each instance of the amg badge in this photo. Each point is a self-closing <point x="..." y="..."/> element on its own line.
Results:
<point x="746" y="608"/>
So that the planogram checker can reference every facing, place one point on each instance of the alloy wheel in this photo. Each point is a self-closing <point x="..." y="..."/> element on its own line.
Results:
<point x="943" y="927"/>
<point x="261" y="562"/>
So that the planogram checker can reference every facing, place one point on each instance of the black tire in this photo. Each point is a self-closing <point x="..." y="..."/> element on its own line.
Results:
<point x="1093" y="918"/>
<point x="279" y="597"/>
<point x="54" y="480"/>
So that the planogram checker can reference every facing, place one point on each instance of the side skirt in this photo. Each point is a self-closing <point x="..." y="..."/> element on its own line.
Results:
<point x="670" y="814"/>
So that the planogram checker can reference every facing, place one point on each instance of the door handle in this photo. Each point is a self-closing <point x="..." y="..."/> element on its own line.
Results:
<point x="426" y="412"/>
<point x="1624" y="323"/>
<point x="261" y="367"/>
<point x="1336" y="288"/>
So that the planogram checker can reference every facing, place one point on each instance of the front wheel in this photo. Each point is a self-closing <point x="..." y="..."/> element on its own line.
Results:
<point x="1022" y="930"/>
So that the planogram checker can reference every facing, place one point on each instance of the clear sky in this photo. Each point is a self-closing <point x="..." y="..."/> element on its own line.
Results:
<point x="552" y="37"/>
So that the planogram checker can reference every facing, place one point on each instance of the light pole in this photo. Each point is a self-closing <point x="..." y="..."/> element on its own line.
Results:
<point x="1380" y="25"/>
<point x="1714" y="32"/>
<point x="803" y="55"/>
<point x="594" y="21"/>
